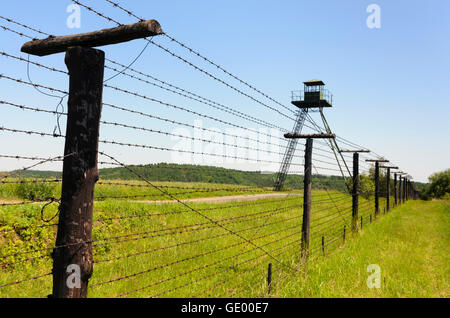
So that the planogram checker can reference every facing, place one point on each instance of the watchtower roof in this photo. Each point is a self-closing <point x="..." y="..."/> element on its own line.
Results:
<point x="314" y="83"/>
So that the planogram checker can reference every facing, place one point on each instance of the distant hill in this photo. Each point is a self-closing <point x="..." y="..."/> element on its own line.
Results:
<point x="206" y="174"/>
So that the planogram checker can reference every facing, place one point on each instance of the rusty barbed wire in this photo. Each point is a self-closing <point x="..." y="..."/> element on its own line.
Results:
<point x="239" y="205"/>
<point x="189" y="207"/>
<point x="192" y="242"/>
<point x="25" y="280"/>
<point x="25" y="26"/>
<point x="191" y="138"/>
<point x="32" y="62"/>
<point x="200" y="99"/>
<point x="32" y="84"/>
<point x="210" y="252"/>
<point x="16" y="32"/>
<point x="200" y="268"/>
<point x="115" y="4"/>
<point x="189" y="63"/>
<point x="8" y="175"/>
<point x="128" y="92"/>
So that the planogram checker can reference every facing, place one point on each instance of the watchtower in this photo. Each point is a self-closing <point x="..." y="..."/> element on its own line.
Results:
<point x="313" y="96"/>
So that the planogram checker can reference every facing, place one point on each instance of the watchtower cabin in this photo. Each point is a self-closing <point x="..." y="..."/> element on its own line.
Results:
<point x="314" y="95"/>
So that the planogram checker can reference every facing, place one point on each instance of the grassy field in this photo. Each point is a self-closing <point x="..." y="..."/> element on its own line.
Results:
<point x="411" y="245"/>
<point x="125" y="190"/>
<point x="166" y="250"/>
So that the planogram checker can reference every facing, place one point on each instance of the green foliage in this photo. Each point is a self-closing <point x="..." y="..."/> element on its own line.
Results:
<point x="439" y="186"/>
<point x="35" y="191"/>
<point x="410" y="245"/>
<point x="366" y="186"/>
<point x="164" y="172"/>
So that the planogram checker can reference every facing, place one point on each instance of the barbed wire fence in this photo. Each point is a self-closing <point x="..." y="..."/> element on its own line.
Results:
<point x="168" y="239"/>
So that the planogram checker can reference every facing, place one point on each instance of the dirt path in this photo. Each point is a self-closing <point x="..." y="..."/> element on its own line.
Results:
<point x="223" y="199"/>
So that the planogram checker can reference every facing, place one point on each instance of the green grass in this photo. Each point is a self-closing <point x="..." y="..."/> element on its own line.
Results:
<point x="167" y="250"/>
<point x="120" y="189"/>
<point x="411" y="245"/>
<point x="173" y="246"/>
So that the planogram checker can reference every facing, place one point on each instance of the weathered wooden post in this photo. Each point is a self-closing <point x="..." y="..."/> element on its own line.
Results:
<point x="355" y="189"/>
<point x="395" y="189"/>
<point x="269" y="279"/>
<point x="409" y="188"/>
<point x="323" y="245"/>
<point x="345" y="228"/>
<point x="377" y="185"/>
<point x="400" y="190"/>
<point x="388" y="189"/>
<point x="80" y="171"/>
<point x="355" y="192"/>
<point x="307" y="197"/>
<point x="72" y="254"/>
<point x="388" y="186"/>
<point x="404" y="189"/>
<point x="377" y="188"/>
<point x="307" y="187"/>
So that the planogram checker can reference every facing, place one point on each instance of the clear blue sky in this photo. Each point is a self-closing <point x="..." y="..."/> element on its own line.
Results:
<point x="390" y="85"/>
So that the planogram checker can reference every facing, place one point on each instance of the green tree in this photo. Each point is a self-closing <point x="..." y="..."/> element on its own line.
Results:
<point x="439" y="186"/>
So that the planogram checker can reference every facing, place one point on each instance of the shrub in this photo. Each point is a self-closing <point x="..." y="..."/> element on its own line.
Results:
<point x="439" y="186"/>
<point x="35" y="191"/>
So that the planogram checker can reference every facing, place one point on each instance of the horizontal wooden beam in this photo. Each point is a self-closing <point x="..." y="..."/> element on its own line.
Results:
<point x="306" y="136"/>
<point x="123" y="33"/>
<point x="356" y="150"/>
<point x="387" y="167"/>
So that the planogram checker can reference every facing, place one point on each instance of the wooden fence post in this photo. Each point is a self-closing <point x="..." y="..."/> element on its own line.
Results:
<point x="408" y="187"/>
<point x="377" y="176"/>
<point x="323" y="245"/>
<point x="395" y="189"/>
<point x="72" y="255"/>
<point x="307" y="198"/>
<point x="269" y="279"/>
<point x="400" y="190"/>
<point x="388" y="189"/>
<point x="404" y="189"/>
<point x="355" y="191"/>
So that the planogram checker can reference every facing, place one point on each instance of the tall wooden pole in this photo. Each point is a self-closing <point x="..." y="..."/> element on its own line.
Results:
<point x="395" y="189"/>
<point x="400" y="190"/>
<point x="388" y="189"/>
<point x="404" y="189"/>
<point x="377" y="172"/>
<point x="355" y="192"/>
<point x="72" y="256"/>
<point x="307" y="198"/>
